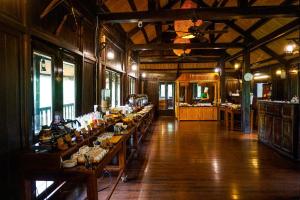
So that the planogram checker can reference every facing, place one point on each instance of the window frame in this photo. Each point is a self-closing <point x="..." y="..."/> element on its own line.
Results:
<point x="132" y="85"/>
<point x="116" y="74"/>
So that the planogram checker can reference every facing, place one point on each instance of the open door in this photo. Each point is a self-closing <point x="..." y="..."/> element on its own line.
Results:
<point x="166" y="98"/>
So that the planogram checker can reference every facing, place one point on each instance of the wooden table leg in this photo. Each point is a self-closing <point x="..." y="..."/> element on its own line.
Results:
<point x="122" y="161"/>
<point x="232" y="121"/>
<point x="92" y="188"/>
<point x="136" y="139"/>
<point x="226" y="118"/>
<point x="251" y="120"/>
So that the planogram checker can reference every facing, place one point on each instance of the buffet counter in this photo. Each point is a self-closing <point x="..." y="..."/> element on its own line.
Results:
<point x="278" y="126"/>
<point x="87" y="157"/>
<point x="208" y="113"/>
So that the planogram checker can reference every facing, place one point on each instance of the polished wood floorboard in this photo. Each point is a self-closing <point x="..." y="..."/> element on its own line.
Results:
<point x="201" y="160"/>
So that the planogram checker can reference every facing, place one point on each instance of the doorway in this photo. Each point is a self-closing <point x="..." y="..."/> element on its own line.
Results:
<point x="166" y="98"/>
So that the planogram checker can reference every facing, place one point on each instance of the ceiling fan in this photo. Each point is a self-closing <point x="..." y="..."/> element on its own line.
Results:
<point x="197" y="32"/>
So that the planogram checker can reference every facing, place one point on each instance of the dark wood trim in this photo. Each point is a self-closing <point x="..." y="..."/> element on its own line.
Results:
<point x="186" y="59"/>
<point x="225" y="13"/>
<point x="169" y="5"/>
<point x="248" y="37"/>
<point x="167" y="46"/>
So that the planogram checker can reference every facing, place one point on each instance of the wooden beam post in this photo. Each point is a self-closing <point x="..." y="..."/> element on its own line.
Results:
<point x="222" y="81"/>
<point x="246" y="92"/>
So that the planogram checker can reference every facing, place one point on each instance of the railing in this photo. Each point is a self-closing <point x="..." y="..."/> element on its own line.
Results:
<point x="45" y="115"/>
<point x="69" y="111"/>
<point x="42" y="117"/>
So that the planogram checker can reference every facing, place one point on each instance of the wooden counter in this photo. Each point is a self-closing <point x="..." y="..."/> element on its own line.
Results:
<point x="197" y="113"/>
<point x="278" y="127"/>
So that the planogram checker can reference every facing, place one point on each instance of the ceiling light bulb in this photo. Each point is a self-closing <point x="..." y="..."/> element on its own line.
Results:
<point x="144" y="75"/>
<point x="236" y="65"/>
<point x="110" y="55"/>
<point x="188" y="36"/>
<point x="289" y="49"/>
<point x="217" y="70"/>
<point x="134" y="67"/>
<point x="278" y="72"/>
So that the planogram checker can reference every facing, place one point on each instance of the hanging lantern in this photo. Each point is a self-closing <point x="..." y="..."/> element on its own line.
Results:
<point x="179" y="52"/>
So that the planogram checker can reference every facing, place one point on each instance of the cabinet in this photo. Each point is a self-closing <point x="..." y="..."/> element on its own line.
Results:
<point x="278" y="127"/>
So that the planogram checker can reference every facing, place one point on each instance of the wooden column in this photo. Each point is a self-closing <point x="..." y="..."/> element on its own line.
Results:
<point x="222" y="81"/>
<point x="246" y="93"/>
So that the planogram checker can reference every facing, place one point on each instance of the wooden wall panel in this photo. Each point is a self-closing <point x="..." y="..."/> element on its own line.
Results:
<point x="10" y="124"/>
<point x="88" y="86"/>
<point x="151" y="88"/>
<point x="11" y="8"/>
<point x="88" y="39"/>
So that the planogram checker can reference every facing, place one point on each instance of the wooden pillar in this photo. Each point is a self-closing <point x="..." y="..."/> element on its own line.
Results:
<point x="222" y="81"/>
<point x="246" y="93"/>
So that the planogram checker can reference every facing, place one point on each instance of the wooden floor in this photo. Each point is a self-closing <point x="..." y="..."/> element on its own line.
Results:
<point x="200" y="160"/>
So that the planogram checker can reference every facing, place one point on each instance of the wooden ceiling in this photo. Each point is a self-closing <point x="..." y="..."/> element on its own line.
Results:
<point x="238" y="30"/>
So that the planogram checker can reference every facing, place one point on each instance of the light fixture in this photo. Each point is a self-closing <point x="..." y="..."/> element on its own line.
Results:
<point x="110" y="54"/>
<point x="283" y="74"/>
<point x="291" y="48"/>
<point x="278" y="72"/>
<point x="188" y="36"/>
<point x="237" y="65"/>
<point x="259" y="76"/>
<point x="217" y="70"/>
<point x="134" y="67"/>
<point x="144" y="75"/>
<point x="293" y="70"/>
<point x="43" y="65"/>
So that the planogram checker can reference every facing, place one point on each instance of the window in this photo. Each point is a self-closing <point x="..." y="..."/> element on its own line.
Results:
<point x="69" y="90"/>
<point x="53" y="94"/>
<point x="259" y="90"/>
<point x="162" y="91"/>
<point x="113" y="83"/>
<point x="197" y="91"/>
<point x="170" y="91"/>
<point x="131" y="85"/>
<point x="42" y="91"/>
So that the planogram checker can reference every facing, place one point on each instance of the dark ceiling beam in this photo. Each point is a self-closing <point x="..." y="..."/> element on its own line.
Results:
<point x="170" y="4"/>
<point x="153" y="46"/>
<point x="225" y="13"/>
<point x="145" y="35"/>
<point x="223" y="3"/>
<point x="262" y="21"/>
<point x="248" y="37"/>
<point x="200" y="3"/>
<point x="186" y="59"/>
<point x="181" y="69"/>
<point x="291" y="61"/>
<point x="242" y="3"/>
<point x="284" y="30"/>
<point x="134" y="8"/>
<point x="118" y="27"/>
<point x="194" y="53"/>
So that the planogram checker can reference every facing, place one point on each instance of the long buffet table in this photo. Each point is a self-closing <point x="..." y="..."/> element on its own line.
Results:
<point x="47" y="166"/>
<point x="278" y="127"/>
